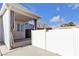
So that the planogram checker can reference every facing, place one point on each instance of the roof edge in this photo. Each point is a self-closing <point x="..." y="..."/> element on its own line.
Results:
<point x="6" y="6"/>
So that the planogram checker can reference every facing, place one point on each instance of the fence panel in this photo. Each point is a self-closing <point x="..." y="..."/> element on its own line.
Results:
<point x="61" y="41"/>
<point x="65" y="42"/>
<point x="38" y="38"/>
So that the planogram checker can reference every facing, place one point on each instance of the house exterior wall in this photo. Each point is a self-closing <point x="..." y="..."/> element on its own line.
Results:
<point x="65" y="42"/>
<point x="18" y="34"/>
<point x="21" y="34"/>
<point x="1" y="29"/>
<point x="6" y="26"/>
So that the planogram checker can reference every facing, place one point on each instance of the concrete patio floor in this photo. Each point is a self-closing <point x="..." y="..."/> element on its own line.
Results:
<point x="29" y="51"/>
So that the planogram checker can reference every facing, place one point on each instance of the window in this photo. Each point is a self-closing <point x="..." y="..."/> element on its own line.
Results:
<point x="18" y="27"/>
<point x="22" y="27"/>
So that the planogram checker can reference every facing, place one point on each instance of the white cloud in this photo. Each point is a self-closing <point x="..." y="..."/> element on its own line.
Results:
<point x="74" y="6"/>
<point x="57" y="19"/>
<point x="58" y="9"/>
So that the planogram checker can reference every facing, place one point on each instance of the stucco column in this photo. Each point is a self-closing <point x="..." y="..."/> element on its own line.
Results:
<point x="35" y="24"/>
<point x="12" y="20"/>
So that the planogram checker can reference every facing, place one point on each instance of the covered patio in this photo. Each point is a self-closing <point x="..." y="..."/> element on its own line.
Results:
<point x="18" y="19"/>
<point x="14" y="16"/>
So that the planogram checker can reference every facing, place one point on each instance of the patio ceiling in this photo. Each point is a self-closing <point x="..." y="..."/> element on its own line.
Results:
<point x="23" y="18"/>
<point x="22" y="11"/>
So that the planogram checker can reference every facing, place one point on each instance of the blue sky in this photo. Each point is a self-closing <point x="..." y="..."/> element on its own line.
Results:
<point x="54" y="13"/>
<point x="62" y="12"/>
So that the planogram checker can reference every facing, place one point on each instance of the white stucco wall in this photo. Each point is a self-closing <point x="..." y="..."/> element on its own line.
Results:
<point x="62" y="41"/>
<point x="1" y="29"/>
<point x="6" y="26"/>
<point x="18" y="34"/>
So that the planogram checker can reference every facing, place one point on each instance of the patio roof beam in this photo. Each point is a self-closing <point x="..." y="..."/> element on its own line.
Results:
<point x="35" y="23"/>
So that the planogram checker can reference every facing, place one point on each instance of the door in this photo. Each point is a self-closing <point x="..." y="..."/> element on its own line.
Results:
<point x="28" y="33"/>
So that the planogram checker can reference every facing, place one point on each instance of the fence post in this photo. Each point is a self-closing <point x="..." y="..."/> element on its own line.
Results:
<point x="45" y="40"/>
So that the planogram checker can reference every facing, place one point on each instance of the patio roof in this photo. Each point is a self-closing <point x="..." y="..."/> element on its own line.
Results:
<point x="19" y="9"/>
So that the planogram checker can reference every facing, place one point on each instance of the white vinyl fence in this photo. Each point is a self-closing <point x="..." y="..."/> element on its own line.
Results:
<point x="38" y="38"/>
<point x="65" y="42"/>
